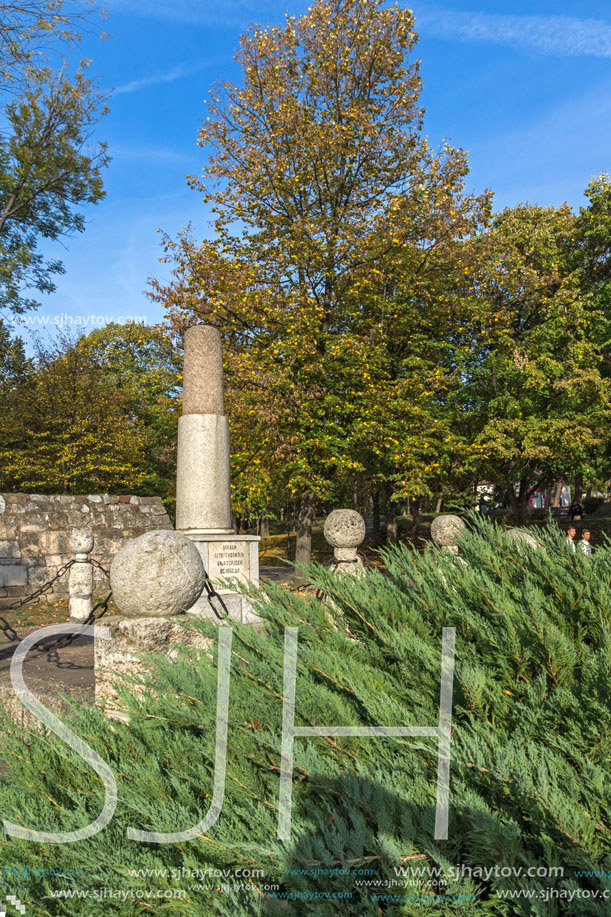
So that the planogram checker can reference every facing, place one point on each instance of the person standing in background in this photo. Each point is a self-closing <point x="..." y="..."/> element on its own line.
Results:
<point x="575" y="510"/>
<point x="584" y="544"/>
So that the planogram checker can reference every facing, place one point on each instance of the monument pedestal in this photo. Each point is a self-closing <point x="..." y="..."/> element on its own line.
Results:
<point x="228" y="556"/>
<point x="129" y="639"/>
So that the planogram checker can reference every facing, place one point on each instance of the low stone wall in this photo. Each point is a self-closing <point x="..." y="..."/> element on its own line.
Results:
<point x="35" y="535"/>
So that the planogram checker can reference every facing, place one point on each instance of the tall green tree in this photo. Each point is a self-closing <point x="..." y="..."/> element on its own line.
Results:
<point x="537" y="404"/>
<point x="49" y="169"/>
<point x="591" y="258"/>
<point x="50" y="166"/>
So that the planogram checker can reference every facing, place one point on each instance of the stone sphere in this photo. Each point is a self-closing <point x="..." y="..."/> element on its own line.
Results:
<point x="521" y="535"/>
<point x="446" y="530"/>
<point x="81" y="541"/>
<point x="344" y="528"/>
<point x="160" y="573"/>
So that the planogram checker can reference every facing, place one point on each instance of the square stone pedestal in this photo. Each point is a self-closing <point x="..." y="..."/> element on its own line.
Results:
<point x="129" y="637"/>
<point x="233" y="557"/>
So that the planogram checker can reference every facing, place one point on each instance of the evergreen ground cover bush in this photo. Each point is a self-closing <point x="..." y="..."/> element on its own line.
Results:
<point x="529" y="771"/>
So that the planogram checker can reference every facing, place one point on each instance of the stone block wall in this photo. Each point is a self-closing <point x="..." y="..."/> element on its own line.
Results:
<point x="35" y="536"/>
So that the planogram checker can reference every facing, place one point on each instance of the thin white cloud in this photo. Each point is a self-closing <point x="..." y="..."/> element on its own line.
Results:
<point x="170" y="76"/>
<point x="555" y="35"/>
<point x="152" y="154"/>
<point x="217" y="13"/>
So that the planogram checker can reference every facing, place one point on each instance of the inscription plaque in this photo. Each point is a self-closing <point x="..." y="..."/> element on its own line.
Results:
<point x="228" y="559"/>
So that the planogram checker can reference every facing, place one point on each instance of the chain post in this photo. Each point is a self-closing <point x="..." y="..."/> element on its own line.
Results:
<point x="81" y="575"/>
<point x="81" y="544"/>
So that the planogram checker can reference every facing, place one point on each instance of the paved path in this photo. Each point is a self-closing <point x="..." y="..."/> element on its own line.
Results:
<point x="68" y="671"/>
<point x="281" y="574"/>
<point x="73" y="665"/>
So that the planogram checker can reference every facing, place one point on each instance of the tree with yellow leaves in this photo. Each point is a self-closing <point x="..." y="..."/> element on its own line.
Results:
<point x="322" y="186"/>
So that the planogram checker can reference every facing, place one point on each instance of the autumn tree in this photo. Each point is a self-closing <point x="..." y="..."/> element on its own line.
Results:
<point x="317" y="177"/>
<point x="143" y="365"/>
<point x="34" y="35"/>
<point x="413" y="322"/>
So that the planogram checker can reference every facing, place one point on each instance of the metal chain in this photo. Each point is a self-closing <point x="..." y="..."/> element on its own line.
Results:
<point x="213" y="594"/>
<point x="66" y="639"/>
<point x="41" y="590"/>
<point x="9" y="631"/>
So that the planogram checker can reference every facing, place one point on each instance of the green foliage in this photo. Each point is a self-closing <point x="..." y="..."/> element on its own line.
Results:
<point x="96" y="414"/>
<point x="13" y="362"/>
<point x="48" y="169"/>
<point x="537" y="395"/>
<point x="530" y="748"/>
<point x="49" y="165"/>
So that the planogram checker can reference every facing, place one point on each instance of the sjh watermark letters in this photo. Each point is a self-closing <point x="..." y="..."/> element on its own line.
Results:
<point x="442" y="732"/>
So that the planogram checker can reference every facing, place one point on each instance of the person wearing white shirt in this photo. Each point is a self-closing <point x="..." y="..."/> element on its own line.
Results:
<point x="570" y="538"/>
<point x="584" y="544"/>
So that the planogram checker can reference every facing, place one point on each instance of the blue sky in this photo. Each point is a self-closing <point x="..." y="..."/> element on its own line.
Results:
<point x="525" y="87"/>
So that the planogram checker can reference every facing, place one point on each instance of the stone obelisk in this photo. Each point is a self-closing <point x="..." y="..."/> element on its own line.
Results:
<point x="203" y="501"/>
<point x="203" y="487"/>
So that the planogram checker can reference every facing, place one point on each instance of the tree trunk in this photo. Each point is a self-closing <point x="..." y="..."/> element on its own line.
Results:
<point x="264" y="527"/>
<point x="305" y="518"/>
<point x="439" y="503"/>
<point x="375" y="499"/>
<point x="519" y="501"/>
<point x="391" y="519"/>
<point x="578" y="494"/>
<point x="556" y="492"/>
<point x="416" y="513"/>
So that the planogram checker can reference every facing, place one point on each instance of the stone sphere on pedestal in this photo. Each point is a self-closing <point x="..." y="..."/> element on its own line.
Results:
<point x="344" y="528"/>
<point x="446" y="530"/>
<point x="522" y="536"/>
<point x="160" y="573"/>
